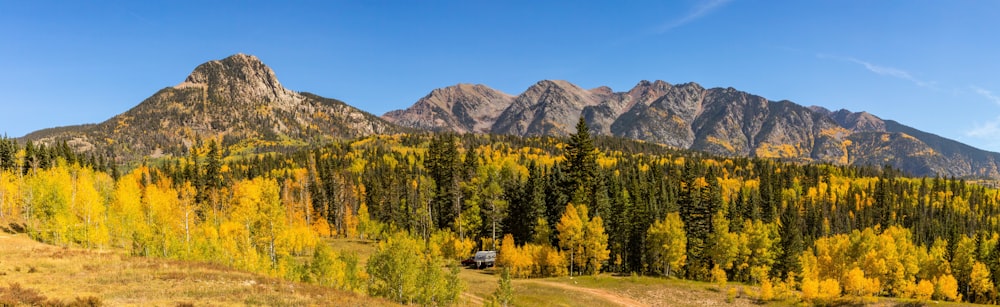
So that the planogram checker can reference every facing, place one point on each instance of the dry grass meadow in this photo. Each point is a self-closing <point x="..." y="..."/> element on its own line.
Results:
<point x="68" y="275"/>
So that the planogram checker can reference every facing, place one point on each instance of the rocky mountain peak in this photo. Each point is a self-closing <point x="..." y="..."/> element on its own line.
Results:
<point x="602" y="91"/>
<point x="820" y="110"/>
<point x="645" y="92"/>
<point x="446" y="96"/>
<point x="860" y="121"/>
<point x="237" y="100"/>
<point x="238" y="78"/>
<point x="461" y="107"/>
<point x="546" y="89"/>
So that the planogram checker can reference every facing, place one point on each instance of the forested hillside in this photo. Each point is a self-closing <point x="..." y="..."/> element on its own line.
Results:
<point x="552" y="206"/>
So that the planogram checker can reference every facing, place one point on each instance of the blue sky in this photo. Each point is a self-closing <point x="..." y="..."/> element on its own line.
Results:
<point x="928" y="64"/>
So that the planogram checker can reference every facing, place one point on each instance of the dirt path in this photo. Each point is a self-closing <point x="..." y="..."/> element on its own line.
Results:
<point x="473" y="299"/>
<point x="602" y="294"/>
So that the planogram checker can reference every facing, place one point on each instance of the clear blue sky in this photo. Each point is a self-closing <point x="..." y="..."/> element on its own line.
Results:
<point x="929" y="64"/>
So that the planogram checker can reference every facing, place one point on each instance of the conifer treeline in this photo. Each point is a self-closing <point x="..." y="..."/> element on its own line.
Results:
<point x="33" y="156"/>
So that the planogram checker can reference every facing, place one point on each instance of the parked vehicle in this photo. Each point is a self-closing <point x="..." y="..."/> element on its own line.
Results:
<point x="471" y="261"/>
<point x="484" y="259"/>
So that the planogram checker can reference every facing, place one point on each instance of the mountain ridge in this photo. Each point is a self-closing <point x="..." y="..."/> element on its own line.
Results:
<point x="239" y="101"/>
<point x="727" y="122"/>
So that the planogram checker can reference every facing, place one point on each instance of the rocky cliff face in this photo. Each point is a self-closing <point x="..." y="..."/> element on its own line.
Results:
<point x="724" y="121"/>
<point x="546" y="108"/>
<point x="237" y="99"/>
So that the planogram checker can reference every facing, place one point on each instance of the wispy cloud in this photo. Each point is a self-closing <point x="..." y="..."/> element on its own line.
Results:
<point x="990" y="129"/>
<point x="696" y="13"/>
<point x="989" y="132"/>
<point x="882" y="70"/>
<point x="986" y="94"/>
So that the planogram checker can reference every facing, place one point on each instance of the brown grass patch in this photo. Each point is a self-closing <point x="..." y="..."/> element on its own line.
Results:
<point x="78" y="277"/>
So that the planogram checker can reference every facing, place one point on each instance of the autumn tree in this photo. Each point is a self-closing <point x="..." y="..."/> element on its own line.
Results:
<point x="980" y="283"/>
<point x="517" y="259"/>
<point x="724" y="246"/>
<point x="394" y="268"/>
<point x="666" y="245"/>
<point x="503" y="296"/>
<point x="595" y="245"/>
<point x="403" y="271"/>
<point x="325" y="269"/>
<point x="946" y="288"/>
<point x="493" y="205"/>
<point x="570" y="236"/>
<point x="758" y="250"/>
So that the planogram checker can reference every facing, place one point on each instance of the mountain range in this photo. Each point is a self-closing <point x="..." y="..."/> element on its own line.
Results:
<point x="722" y="121"/>
<point x="239" y="101"/>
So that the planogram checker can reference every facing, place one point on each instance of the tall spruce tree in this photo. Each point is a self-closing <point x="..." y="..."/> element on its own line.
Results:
<point x="792" y="243"/>
<point x="698" y="204"/>
<point x="528" y="208"/>
<point x="8" y="152"/>
<point x="444" y="165"/>
<point x="581" y="164"/>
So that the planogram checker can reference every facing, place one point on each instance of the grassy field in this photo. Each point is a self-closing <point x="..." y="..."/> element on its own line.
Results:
<point x="114" y="279"/>
<point x="603" y="290"/>
<point x="70" y="274"/>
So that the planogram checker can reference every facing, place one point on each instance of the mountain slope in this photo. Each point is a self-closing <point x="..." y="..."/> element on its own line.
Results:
<point x="237" y="99"/>
<point x="462" y="107"/>
<point x="723" y="121"/>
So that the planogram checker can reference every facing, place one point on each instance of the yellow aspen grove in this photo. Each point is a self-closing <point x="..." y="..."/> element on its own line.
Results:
<point x="570" y="234"/>
<point x="395" y="268"/>
<point x="189" y="220"/>
<point x="162" y="214"/>
<point x="829" y="288"/>
<point x="128" y="222"/>
<point x="325" y="269"/>
<point x="766" y="290"/>
<point x="719" y="277"/>
<point x="452" y="246"/>
<point x="595" y="244"/>
<point x="10" y="192"/>
<point x="90" y="207"/>
<point x="923" y="290"/>
<point x="810" y="289"/>
<point x="52" y="199"/>
<point x="856" y="284"/>
<point x="258" y="209"/>
<point x="757" y="249"/>
<point x="513" y="257"/>
<point x="723" y="245"/>
<point x="946" y="288"/>
<point x="981" y="284"/>
<point x="322" y="227"/>
<point x="667" y="244"/>
<point x="366" y="227"/>
<point x="239" y="229"/>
